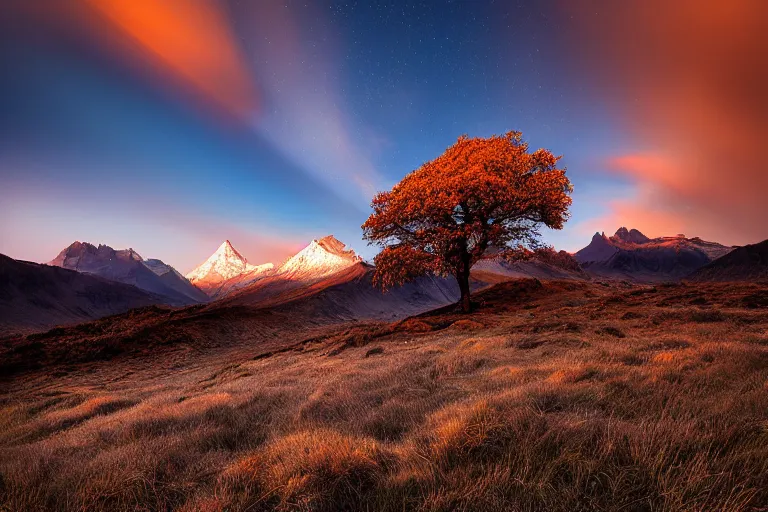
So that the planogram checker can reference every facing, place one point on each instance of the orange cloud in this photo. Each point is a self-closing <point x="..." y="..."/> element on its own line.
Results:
<point x="651" y="167"/>
<point x="193" y="40"/>
<point x="688" y="79"/>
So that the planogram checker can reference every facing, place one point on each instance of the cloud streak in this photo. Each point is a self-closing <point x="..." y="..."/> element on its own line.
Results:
<point x="304" y="117"/>
<point x="225" y="53"/>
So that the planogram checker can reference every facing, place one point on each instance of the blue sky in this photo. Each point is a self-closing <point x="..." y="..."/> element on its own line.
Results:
<point x="272" y="123"/>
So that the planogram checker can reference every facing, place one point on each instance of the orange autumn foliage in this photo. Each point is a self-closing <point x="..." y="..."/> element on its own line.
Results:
<point x="481" y="193"/>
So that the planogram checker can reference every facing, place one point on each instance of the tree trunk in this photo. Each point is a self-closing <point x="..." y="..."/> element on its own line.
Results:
<point x="466" y="306"/>
<point x="462" y="276"/>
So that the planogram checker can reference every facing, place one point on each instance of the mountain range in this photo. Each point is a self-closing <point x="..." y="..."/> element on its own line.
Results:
<point x="128" y="267"/>
<point x="326" y="281"/>
<point x="631" y="255"/>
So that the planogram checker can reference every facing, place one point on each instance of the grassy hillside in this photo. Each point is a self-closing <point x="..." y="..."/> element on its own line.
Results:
<point x="554" y="396"/>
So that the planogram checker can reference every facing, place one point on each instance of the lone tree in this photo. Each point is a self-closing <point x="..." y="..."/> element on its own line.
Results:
<point x="480" y="194"/>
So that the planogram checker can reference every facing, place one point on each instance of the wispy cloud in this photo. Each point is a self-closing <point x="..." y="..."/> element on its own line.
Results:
<point x="304" y="114"/>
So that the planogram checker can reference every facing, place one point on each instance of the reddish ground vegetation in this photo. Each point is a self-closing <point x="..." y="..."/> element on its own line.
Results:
<point x="550" y="396"/>
<point x="560" y="259"/>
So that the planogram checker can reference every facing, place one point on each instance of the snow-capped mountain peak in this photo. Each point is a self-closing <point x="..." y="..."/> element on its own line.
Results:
<point x="225" y="263"/>
<point x="320" y="258"/>
<point x="226" y="249"/>
<point x="226" y="270"/>
<point x="227" y="252"/>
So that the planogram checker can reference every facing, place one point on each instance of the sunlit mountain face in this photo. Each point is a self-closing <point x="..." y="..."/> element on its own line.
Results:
<point x="170" y="126"/>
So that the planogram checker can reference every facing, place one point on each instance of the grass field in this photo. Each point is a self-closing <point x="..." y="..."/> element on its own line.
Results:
<point x="553" y="396"/>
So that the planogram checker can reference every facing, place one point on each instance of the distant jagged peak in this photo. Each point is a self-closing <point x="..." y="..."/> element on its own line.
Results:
<point x="632" y="236"/>
<point x="77" y="244"/>
<point x="80" y="247"/>
<point x="600" y="248"/>
<point x="600" y="237"/>
<point x="622" y="233"/>
<point x="129" y="253"/>
<point x="628" y="246"/>
<point x="71" y="255"/>
<point x="73" y="251"/>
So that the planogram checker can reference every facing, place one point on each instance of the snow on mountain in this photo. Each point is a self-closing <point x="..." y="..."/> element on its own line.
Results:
<point x="223" y="264"/>
<point x="226" y="270"/>
<point x="323" y="263"/>
<point x="713" y="250"/>
<point x="127" y="266"/>
<point x="320" y="258"/>
<point x="262" y="270"/>
<point x="160" y="268"/>
<point x="326" y="280"/>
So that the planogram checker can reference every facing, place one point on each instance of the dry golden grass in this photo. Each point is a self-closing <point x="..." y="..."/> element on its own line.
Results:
<point x="567" y="396"/>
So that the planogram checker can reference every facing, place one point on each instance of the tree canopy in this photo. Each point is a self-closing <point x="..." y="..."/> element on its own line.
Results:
<point x="481" y="193"/>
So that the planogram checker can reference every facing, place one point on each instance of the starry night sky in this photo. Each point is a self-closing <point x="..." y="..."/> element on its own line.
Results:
<point x="169" y="127"/>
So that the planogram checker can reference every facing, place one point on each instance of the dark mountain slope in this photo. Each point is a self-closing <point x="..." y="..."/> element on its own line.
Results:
<point x="748" y="263"/>
<point x="36" y="297"/>
<point x="345" y="295"/>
